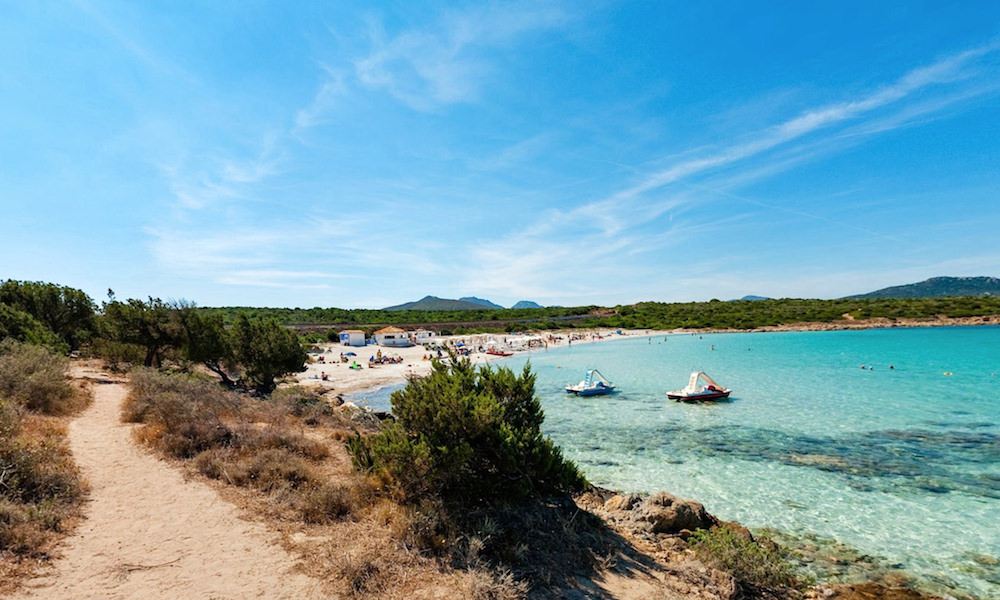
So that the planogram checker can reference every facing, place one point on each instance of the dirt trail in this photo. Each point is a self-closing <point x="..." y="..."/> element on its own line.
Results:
<point x="150" y="534"/>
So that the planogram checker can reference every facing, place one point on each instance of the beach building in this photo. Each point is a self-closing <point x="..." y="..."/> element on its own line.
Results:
<point x="424" y="336"/>
<point x="392" y="336"/>
<point x="352" y="337"/>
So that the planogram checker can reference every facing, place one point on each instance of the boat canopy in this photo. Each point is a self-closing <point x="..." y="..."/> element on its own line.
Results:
<point x="594" y="376"/>
<point x="694" y="386"/>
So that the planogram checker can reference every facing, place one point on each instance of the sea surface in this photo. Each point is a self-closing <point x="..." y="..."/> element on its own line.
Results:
<point x="884" y="440"/>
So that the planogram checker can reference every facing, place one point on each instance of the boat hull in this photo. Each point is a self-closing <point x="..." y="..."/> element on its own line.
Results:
<point x="598" y="391"/>
<point x="700" y="396"/>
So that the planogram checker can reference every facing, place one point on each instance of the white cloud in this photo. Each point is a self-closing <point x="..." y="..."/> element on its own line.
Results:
<point x="326" y="99"/>
<point x="446" y="63"/>
<point x="958" y="68"/>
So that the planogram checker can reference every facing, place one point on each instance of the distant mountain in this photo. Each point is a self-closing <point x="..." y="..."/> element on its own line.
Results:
<point x="479" y="301"/>
<point x="435" y="303"/>
<point x="527" y="304"/>
<point x="754" y="298"/>
<point x="939" y="287"/>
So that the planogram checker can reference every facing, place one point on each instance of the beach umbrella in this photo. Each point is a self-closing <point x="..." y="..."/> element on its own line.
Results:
<point x="349" y="354"/>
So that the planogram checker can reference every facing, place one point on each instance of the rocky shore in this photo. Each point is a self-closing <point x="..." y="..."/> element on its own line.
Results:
<point x="661" y="525"/>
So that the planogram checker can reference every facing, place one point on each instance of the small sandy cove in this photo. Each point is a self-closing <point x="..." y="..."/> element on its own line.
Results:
<point x="416" y="360"/>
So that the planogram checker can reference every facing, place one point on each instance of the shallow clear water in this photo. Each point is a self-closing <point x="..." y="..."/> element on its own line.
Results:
<point x="901" y="463"/>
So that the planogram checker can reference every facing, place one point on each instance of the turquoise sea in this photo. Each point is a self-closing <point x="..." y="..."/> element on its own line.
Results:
<point x="902" y="464"/>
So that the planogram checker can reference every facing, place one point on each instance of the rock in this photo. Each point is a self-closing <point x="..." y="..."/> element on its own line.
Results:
<point x="871" y="591"/>
<point x="620" y="502"/>
<point x="664" y="513"/>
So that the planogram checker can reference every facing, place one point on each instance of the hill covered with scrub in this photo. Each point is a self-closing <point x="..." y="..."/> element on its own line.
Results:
<point x="940" y="287"/>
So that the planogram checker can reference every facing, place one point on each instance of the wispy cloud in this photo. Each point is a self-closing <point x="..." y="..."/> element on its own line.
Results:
<point x="446" y="62"/>
<point x="955" y="69"/>
<point x="200" y="182"/>
<point x="131" y="42"/>
<point x="330" y="93"/>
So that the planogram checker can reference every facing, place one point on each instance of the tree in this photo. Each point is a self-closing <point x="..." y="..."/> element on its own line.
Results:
<point x="23" y="327"/>
<point x="66" y="311"/>
<point x="206" y="341"/>
<point x="265" y="351"/>
<point x="468" y="436"/>
<point x="153" y="325"/>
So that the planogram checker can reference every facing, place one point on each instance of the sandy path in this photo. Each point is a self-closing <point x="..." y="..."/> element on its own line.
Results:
<point x="142" y="513"/>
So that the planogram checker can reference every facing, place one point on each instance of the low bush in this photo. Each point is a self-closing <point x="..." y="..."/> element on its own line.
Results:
<point x="40" y="485"/>
<point x="477" y="483"/>
<point x="119" y="356"/>
<point x="760" y="568"/>
<point x="326" y="503"/>
<point x="467" y="436"/>
<point x="188" y="415"/>
<point x="36" y="378"/>
<point x="304" y="403"/>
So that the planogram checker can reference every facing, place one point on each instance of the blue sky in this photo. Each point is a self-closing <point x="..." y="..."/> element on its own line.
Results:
<point x="365" y="154"/>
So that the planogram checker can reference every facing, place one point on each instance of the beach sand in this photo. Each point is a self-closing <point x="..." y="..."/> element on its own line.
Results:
<point x="342" y="379"/>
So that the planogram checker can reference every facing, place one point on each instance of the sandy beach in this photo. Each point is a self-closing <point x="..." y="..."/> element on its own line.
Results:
<point x="341" y="378"/>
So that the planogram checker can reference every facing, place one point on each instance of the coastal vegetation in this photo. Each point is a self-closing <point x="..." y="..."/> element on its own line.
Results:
<point x="468" y="436"/>
<point x="714" y="314"/>
<point x="41" y="489"/>
<point x="148" y="331"/>
<point x="759" y="568"/>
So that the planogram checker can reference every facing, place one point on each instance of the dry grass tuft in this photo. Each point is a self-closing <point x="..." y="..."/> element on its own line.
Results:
<point x="367" y="571"/>
<point x="326" y="503"/>
<point x="489" y="585"/>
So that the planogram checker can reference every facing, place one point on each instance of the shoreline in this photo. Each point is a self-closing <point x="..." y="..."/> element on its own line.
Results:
<point x="415" y="360"/>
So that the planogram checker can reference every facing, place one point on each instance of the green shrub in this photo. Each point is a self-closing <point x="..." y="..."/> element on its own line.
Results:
<point x="23" y="327"/>
<point x="36" y="378"/>
<point x="756" y="566"/>
<point x="119" y="356"/>
<point x="470" y="436"/>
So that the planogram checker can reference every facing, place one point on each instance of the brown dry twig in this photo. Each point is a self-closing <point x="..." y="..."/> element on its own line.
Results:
<point x="124" y="569"/>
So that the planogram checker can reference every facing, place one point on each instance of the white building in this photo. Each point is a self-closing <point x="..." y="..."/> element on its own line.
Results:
<point x="424" y="336"/>
<point x="352" y="337"/>
<point x="392" y="336"/>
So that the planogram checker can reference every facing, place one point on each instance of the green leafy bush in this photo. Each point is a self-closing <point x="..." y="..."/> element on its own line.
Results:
<point x="23" y="327"/>
<point x="467" y="435"/>
<point x="759" y="568"/>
